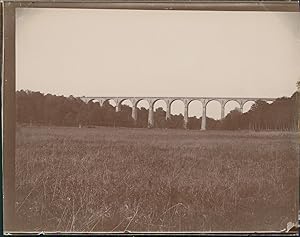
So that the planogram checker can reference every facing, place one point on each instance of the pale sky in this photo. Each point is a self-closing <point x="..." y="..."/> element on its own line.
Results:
<point x="158" y="53"/>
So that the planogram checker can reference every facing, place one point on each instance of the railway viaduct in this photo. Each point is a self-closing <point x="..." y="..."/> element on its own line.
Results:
<point x="169" y="100"/>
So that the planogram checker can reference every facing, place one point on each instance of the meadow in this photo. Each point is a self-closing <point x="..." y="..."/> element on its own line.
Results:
<point x="126" y="179"/>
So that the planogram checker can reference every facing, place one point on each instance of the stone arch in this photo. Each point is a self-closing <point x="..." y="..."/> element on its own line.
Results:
<point x="194" y="109"/>
<point x="126" y="109"/>
<point x="156" y="101"/>
<point x="143" y="102"/>
<point x="231" y="105"/>
<point x="97" y="101"/>
<point x="247" y="105"/>
<point x="144" y="118"/>
<point x="213" y="109"/>
<point x="127" y="102"/>
<point x="109" y="101"/>
<point x="194" y="114"/>
<point x="91" y="100"/>
<point x="176" y="109"/>
<point x="124" y="102"/>
<point x="159" y="116"/>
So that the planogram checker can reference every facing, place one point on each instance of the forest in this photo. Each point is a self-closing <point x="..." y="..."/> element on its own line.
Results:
<point x="36" y="108"/>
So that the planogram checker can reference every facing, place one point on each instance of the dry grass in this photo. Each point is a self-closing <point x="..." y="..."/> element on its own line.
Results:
<point x="117" y="179"/>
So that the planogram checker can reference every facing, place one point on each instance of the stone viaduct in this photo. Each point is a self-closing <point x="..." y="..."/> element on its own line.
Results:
<point x="169" y="100"/>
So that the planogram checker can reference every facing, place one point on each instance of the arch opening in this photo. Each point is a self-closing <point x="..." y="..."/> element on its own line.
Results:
<point x="142" y="113"/>
<point x="195" y="112"/>
<point x="126" y="102"/>
<point x="176" y="114"/>
<point x="92" y="101"/>
<point x="159" y="108"/>
<point x="110" y="103"/>
<point x="247" y="106"/>
<point x="195" y="109"/>
<point x="159" y="104"/>
<point x="125" y="105"/>
<point x="177" y="107"/>
<point x="213" y="110"/>
<point x="96" y="102"/>
<point x="108" y="113"/>
<point x="231" y="105"/>
<point x="142" y="104"/>
<point x="124" y="113"/>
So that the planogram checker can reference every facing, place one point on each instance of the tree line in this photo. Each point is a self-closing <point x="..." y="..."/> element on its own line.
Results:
<point x="45" y="109"/>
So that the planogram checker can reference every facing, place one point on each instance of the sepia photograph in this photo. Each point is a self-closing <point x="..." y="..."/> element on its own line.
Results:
<point x="156" y="120"/>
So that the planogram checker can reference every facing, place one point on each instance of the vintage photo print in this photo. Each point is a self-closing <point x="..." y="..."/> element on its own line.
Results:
<point x="142" y="120"/>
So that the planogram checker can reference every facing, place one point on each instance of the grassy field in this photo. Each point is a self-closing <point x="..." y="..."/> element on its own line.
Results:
<point x="118" y="179"/>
